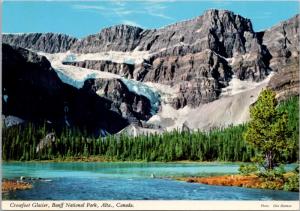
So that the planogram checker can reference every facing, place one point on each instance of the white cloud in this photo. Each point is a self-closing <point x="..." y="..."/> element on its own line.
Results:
<point x="155" y="8"/>
<point x="88" y="7"/>
<point x="121" y="9"/>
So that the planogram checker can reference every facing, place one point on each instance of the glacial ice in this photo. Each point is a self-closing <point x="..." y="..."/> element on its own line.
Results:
<point x="72" y="75"/>
<point x="76" y="82"/>
<point x="76" y="76"/>
<point x="69" y="58"/>
<point x="146" y="91"/>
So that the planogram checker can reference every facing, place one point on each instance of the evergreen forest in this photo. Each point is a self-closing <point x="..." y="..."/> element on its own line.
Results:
<point x="224" y="144"/>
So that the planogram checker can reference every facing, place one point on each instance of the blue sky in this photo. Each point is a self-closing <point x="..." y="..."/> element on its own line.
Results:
<point x="81" y="18"/>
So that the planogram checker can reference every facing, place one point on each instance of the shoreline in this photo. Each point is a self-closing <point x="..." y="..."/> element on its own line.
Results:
<point x="9" y="185"/>
<point x="104" y="160"/>
<point x="237" y="180"/>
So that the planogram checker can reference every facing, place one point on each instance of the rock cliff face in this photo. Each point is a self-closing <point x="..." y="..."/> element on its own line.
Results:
<point x="283" y="43"/>
<point x="193" y="54"/>
<point x="48" y="42"/>
<point x="200" y="76"/>
<point x="127" y="104"/>
<point x="30" y="84"/>
<point x="116" y="38"/>
<point x="123" y="69"/>
<point x="221" y="31"/>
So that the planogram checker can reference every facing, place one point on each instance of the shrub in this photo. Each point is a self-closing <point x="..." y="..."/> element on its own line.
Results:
<point x="248" y="169"/>
<point x="292" y="183"/>
<point x="273" y="174"/>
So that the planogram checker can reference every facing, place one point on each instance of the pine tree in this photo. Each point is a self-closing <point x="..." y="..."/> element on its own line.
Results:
<point x="267" y="131"/>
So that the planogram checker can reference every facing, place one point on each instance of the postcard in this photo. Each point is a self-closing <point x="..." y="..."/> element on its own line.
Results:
<point x="150" y="105"/>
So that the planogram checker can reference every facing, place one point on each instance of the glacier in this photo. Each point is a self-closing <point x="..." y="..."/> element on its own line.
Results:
<point x="76" y="76"/>
<point x="78" y="83"/>
<point x="146" y="91"/>
<point x="69" y="58"/>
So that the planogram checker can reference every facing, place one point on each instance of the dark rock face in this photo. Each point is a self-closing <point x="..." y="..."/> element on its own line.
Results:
<point x="221" y="31"/>
<point x="30" y="84"/>
<point x="129" y="105"/>
<point x="286" y="81"/>
<point x="125" y="70"/>
<point x="48" y="42"/>
<point x="283" y="43"/>
<point x="200" y="76"/>
<point x="116" y="38"/>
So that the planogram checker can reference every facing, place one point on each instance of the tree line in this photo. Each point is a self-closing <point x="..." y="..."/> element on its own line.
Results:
<point x="224" y="144"/>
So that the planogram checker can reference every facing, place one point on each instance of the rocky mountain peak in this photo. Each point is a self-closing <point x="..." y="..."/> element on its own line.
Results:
<point x="46" y="42"/>
<point x="116" y="38"/>
<point x="228" y="17"/>
<point x="200" y="55"/>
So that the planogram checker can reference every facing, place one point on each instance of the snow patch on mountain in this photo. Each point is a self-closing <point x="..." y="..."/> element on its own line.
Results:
<point x="132" y="57"/>
<point x="72" y="75"/>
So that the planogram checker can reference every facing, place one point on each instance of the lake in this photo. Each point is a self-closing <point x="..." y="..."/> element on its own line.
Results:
<point x="128" y="181"/>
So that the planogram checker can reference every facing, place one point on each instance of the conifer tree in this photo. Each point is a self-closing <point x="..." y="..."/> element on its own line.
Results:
<point x="267" y="130"/>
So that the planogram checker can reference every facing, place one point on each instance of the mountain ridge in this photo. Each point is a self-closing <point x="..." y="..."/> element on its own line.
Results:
<point x="197" y="59"/>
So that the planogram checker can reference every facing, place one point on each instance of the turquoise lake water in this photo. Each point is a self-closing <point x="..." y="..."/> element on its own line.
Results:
<point x="128" y="181"/>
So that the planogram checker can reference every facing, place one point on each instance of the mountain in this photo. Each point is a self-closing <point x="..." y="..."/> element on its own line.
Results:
<point x="201" y="73"/>
<point x="48" y="42"/>
<point x="283" y="43"/>
<point x="33" y="91"/>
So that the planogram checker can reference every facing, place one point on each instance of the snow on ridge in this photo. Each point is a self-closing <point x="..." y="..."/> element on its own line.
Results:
<point x="72" y="75"/>
<point x="77" y="76"/>
<point x="132" y="57"/>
